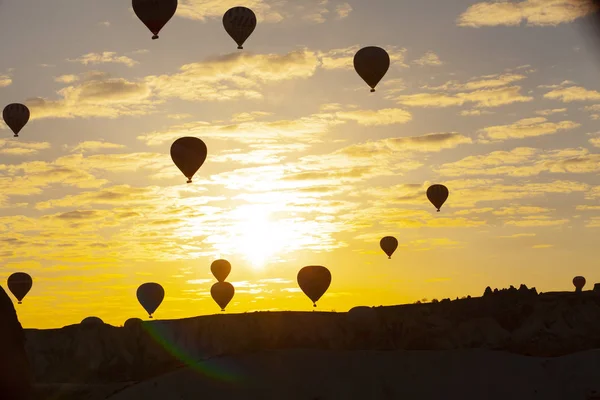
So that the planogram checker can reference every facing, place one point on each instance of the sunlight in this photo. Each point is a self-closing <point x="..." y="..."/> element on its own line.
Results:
<point x="258" y="238"/>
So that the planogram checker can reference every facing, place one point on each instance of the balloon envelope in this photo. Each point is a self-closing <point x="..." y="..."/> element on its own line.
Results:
<point x="371" y="63"/>
<point x="19" y="284"/>
<point x="579" y="282"/>
<point x="437" y="195"/>
<point x="239" y="22"/>
<point x="188" y="154"/>
<point x="389" y="244"/>
<point x="220" y="269"/>
<point x="362" y="317"/>
<point x="16" y="116"/>
<point x="154" y="13"/>
<point x="150" y="295"/>
<point x="222" y="293"/>
<point x="314" y="280"/>
<point x="92" y="321"/>
<point x="133" y="323"/>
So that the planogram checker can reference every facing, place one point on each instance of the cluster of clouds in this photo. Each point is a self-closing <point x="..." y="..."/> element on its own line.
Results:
<point x="277" y="173"/>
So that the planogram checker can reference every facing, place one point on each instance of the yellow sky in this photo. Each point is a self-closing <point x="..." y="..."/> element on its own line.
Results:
<point x="304" y="166"/>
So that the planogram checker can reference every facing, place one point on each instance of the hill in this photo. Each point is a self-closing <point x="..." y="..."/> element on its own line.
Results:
<point x="518" y="321"/>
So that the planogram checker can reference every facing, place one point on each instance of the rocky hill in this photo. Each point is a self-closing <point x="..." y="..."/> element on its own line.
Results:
<point x="519" y="321"/>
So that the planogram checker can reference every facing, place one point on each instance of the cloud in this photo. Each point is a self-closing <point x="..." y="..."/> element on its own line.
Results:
<point x="479" y="82"/>
<point x="179" y="116"/>
<point x="573" y="93"/>
<point x="104" y="23"/>
<point x="344" y="58"/>
<point x="525" y="128"/>
<point x="343" y="10"/>
<point x="432" y="142"/>
<point x="93" y="146"/>
<point x="233" y="76"/>
<point x="96" y="95"/>
<point x="469" y="113"/>
<point x="520" y="210"/>
<point x="21" y="148"/>
<point x="66" y="78"/>
<point x="103" y="58"/>
<point x="429" y="58"/>
<point x="475" y="191"/>
<point x="533" y="12"/>
<point x="387" y="116"/>
<point x="537" y="221"/>
<point x="306" y="129"/>
<point x="249" y="116"/>
<point x="5" y="80"/>
<point x="551" y="111"/>
<point x="524" y="161"/>
<point x="518" y="235"/>
<point x="542" y="246"/>
<point x="481" y="98"/>
<point x="268" y="11"/>
<point x="595" y="141"/>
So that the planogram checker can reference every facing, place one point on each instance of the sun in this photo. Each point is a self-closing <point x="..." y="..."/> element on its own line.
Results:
<point x="258" y="237"/>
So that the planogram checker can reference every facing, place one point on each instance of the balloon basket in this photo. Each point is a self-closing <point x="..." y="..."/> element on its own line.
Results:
<point x="240" y="47"/>
<point x="154" y="37"/>
<point x="20" y="302"/>
<point x="372" y="90"/>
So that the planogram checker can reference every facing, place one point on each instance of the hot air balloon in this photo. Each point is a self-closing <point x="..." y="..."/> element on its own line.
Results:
<point x="371" y="63"/>
<point x="220" y="269"/>
<point x="362" y="317"/>
<point x="579" y="283"/>
<point x="154" y="13"/>
<point x="188" y="154"/>
<point x="239" y="22"/>
<point x="314" y="280"/>
<point x="389" y="244"/>
<point x="150" y="295"/>
<point x="133" y="323"/>
<point x="222" y="293"/>
<point x="92" y="321"/>
<point x="16" y="116"/>
<point x="437" y="195"/>
<point x="19" y="284"/>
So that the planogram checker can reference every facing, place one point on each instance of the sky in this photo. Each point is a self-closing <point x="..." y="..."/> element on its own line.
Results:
<point x="500" y="102"/>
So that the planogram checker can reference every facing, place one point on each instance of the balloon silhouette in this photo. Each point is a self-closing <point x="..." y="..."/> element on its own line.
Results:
<point x="19" y="284"/>
<point x="371" y="63"/>
<point x="362" y="317"/>
<point x="154" y="13"/>
<point x="150" y="295"/>
<point x="389" y="244"/>
<point x="222" y="293"/>
<point x="133" y="323"/>
<point x="92" y="321"/>
<point x="220" y="269"/>
<point x="314" y="280"/>
<point x="239" y="22"/>
<point x="16" y="116"/>
<point x="188" y="154"/>
<point x="437" y="195"/>
<point x="579" y="283"/>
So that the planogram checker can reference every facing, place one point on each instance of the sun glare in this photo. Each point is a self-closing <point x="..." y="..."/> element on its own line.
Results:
<point x="257" y="237"/>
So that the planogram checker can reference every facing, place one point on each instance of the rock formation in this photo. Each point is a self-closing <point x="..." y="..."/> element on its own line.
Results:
<point x="516" y="320"/>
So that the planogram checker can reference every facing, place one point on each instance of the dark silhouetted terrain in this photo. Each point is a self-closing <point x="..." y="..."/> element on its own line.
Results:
<point x="466" y="340"/>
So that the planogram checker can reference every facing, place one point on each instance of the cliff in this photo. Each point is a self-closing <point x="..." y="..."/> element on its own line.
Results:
<point x="520" y="322"/>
